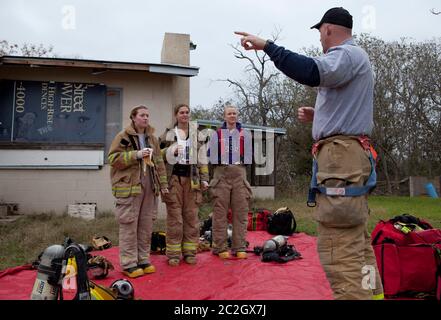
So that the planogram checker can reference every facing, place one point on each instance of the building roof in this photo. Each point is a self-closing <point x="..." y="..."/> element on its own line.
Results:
<point x="248" y="126"/>
<point x="99" y="66"/>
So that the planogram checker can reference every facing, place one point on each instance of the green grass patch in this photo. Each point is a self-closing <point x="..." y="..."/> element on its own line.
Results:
<point x="382" y="208"/>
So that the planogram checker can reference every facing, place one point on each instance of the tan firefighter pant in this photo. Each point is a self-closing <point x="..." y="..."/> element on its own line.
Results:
<point x="136" y="216"/>
<point x="344" y="244"/>
<point x="349" y="262"/>
<point x="230" y="189"/>
<point x="182" y="203"/>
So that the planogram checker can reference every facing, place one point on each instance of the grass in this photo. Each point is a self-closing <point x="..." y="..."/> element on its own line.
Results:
<point x="382" y="208"/>
<point x="22" y="241"/>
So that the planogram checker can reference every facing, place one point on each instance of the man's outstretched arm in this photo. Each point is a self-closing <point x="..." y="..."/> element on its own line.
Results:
<point x="296" y="66"/>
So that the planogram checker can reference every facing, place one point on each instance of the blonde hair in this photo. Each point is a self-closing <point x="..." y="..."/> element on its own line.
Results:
<point x="179" y="106"/>
<point x="135" y="109"/>
<point x="176" y="110"/>
<point x="133" y="114"/>
<point x="230" y="106"/>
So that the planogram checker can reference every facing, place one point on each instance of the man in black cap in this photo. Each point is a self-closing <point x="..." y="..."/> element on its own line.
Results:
<point x="343" y="165"/>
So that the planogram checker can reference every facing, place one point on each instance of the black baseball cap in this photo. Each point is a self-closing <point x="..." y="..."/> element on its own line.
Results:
<point x="338" y="16"/>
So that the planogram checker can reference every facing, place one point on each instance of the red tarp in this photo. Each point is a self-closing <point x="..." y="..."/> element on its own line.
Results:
<point x="211" y="278"/>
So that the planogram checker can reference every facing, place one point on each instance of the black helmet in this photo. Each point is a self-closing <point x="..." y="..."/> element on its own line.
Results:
<point x="124" y="288"/>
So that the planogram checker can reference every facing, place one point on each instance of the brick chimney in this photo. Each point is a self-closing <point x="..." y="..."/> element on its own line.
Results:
<point x="176" y="50"/>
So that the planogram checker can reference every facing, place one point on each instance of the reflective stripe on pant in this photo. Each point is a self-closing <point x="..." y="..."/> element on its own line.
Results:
<point x="229" y="188"/>
<point x="349" y="262"/>
<point x="182" y="203"/>
<point x="135" y="216"/>
<point x="371" y="260"/>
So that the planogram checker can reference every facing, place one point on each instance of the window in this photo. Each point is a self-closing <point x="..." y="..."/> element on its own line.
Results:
<point x="113" y="117"/>
<point x="56" y="125"/>
<point x="266" y="179"/>
<point x="51" y="113"/>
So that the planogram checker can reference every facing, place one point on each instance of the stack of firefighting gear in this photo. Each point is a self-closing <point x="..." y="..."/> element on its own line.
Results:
<point x="57" y="265"/>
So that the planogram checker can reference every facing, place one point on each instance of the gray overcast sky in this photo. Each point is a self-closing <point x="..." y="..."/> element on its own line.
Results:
<point x="133" y="30"/>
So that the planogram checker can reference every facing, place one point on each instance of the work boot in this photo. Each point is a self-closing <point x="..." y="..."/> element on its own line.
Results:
<point x="190" y="259"/>
<point x="241" y="255"/>
<point x="147" y="268"/>
<point x="173" y="262"/>
<point x="133" y="272"/>
<point x="224" y="255"/>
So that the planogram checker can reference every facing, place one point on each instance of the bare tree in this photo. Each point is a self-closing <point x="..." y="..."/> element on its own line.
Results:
<point x="252" y="93"/>
<point x="407" y="110"/>
<point x="215" y="113"/>
<point x="26" y="49"/>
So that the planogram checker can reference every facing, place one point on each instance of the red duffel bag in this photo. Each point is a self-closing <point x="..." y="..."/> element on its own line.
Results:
<point x="258" y="219"/>
<point x="408" y="254"/>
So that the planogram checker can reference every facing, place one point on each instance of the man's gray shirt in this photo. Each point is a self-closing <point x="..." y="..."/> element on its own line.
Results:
<point x="344" y="102"/>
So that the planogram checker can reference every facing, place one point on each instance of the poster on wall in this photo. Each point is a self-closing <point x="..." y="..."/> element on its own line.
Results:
<point x="52" y="112"/>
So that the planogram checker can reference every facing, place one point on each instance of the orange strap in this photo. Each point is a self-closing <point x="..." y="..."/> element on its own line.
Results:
<point x="364" y="141"/>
